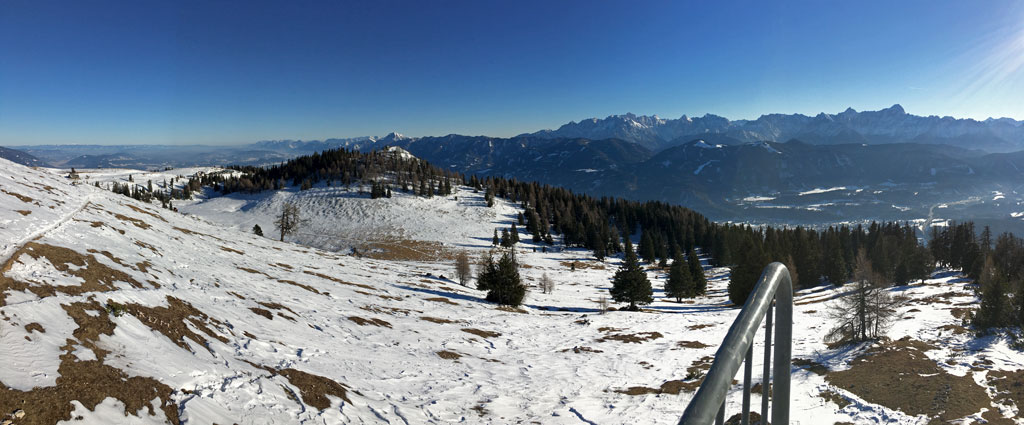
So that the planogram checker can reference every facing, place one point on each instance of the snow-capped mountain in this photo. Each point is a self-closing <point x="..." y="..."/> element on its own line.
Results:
<point x="890" y="125"/>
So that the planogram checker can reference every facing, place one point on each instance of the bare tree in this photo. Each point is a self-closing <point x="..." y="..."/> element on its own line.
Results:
<point x="462" y="271"/>
<point x="289" y="220"/>
<point x="547" y="285"/>
<point x="867" y="310"/>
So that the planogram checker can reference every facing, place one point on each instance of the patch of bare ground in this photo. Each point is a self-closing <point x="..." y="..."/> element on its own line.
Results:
<point x="508" y="309"/>
<point x="362" y="321"/>
<point x="381" y="296"/>
<point x="437" y="320"/>
<point x="834" y="397"/>
<point x="398" y="249"/>
<point x="20" y="197"/>
<point x="172" y="321"/>
<point x="138" y="223"/>
<point x="313" y="388"/>
<point x="96" y="276"/>
<point x="192" y="232"/>
<point x="441" y="300"/>
<point x="583" y="349"/>
<point x="253" y="271"/>
<point x="581" y="265"/>
<point x="147" y="246"/>
<point x="955" y="329"/>
<point x="481" y="333"/>
<point x="1010" y="386"/>
<point x="144" y="266"/>
<point x="393" y="311"/>
<point x="691" y="344"/>
<point x="634" y="338"/>
<point x="284" y="266"/>
<point x="960" y="312"/>
<point x="938" y="298"/>
<point x="303" y="286"/>
<point x="149" y="213"/>
<point x="24" y="212"/>
<point x="336" y="280"/>
<point x="448" y="355"/>
<point x="810" y="365"/>
<point x="232" y="250"/>
<point x="898" y="375"/>
<point x="88" y="382"/>
<point x="480" y="409"/>
<point x="699" y="327"/>
<point x="262" y="312"/>
<point x="35" y="326"/>
<point x="737" y="419"/>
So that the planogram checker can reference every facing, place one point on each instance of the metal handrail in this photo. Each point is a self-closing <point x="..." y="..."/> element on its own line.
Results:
<point x="709" y="402"/>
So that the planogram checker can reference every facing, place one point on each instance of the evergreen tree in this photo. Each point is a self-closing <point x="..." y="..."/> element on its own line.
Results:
<point x="679" y="284"/>
<point x="514" y="234"/>
<point x="257" y="230"/>
<point x="700" y="283"/>
<point x="501" y="280"/>
<point x="495" y="241"/>
<point x="647" y="251"/>
<point x="630" y="283"/>
<point x="506" y="240"/>
<point x="994" y="311"/>
<point x="744" y="276"/>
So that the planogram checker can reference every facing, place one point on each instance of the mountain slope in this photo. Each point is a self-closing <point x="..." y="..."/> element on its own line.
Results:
<point x="19" y="157"/>
<point x="114" y="311"/>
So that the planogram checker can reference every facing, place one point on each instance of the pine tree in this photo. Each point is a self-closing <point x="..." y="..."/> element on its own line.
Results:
<point x="506" y="240"/>
<point x="700" y="283"/>
<point x="514" y="234"/>
<point x="257" y="230"/>
<point x="679" y="284"/>
<point x="744" y="276"/>
<point x="501" y="280"/>
<point x="495" y="241"/>
<point x="630" y="283"/>
<point x="647" y="251"/>
<point x="462" y="267"/>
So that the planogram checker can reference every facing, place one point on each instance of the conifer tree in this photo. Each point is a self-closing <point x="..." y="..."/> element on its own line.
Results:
<point x="744" y="276"/>
<point x="679" y="284"/>
<point x="501" y="280"/>
<point x="630" y="283"/>
<point x="495" y="241"/>
<point x="700" y="283"/>
<point x="647" y="251"/>
<point x="257" y="230"/>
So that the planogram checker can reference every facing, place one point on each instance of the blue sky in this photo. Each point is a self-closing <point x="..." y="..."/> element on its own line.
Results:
<point x="218" y="72"/>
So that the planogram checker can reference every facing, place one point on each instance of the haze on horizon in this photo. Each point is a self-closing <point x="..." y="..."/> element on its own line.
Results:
<point x="237" y="72"/>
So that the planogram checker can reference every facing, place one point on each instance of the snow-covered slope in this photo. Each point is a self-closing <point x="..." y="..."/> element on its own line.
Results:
<point x="110" y="307"/>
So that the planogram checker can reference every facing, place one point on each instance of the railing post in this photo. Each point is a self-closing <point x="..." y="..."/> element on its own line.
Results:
<point x="747" y="371"/>
<point x="709" y="402"/>
<point x="766" y="376"/>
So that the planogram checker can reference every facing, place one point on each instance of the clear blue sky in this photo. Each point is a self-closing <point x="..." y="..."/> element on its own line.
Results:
<point x="217" y="72"/>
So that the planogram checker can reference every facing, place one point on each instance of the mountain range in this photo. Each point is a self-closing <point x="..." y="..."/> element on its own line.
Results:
<point x="890" y="125"/>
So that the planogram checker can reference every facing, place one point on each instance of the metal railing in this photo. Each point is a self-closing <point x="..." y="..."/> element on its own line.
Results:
<point x="709" y="402"/>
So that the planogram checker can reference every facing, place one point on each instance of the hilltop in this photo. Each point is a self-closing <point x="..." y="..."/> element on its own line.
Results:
<point x="113" y="307"/>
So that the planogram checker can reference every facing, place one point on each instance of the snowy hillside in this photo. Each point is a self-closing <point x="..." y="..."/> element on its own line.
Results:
<point x="115" y="311"/>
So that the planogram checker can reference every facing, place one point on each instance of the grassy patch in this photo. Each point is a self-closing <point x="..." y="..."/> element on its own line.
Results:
<point x="898" y="375"/>
<point x="369" y="322"/>
<point x="481" y="333"/>
<point x="96" y="276"/>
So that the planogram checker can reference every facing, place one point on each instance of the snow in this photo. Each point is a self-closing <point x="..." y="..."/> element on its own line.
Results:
<point x="821" y="190"/>
<point x="529" y="373"/>
<point x="702" y="144"/>
<point x="701" y="167"/>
